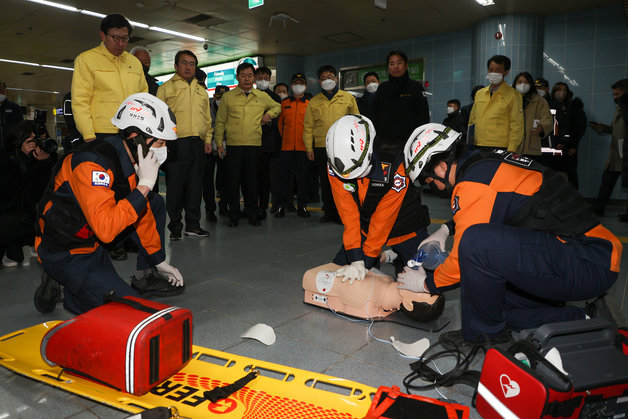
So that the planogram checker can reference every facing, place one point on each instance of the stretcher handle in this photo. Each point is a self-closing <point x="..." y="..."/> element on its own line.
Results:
<point x="548" y="331"/>
<point x="113" y="298"/>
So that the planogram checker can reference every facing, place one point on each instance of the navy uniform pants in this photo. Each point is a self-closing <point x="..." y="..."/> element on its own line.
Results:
<point x="516" y="278"/>
<point x="88" y="277"/>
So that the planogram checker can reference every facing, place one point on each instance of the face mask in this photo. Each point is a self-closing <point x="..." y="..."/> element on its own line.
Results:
<point x="282" y="95"/>
<point x="298" y="89"/>
<point x="2" y="97"/>
<point x="540" y="92"/>
<point x="523" y="88"/>
<point x="372" y="87"/>
<point x="450" y="110"/>
<point x="161" y="153"/>
<point x="262" y="84"/>
<point x="559" y="95"/>
<point x="328" y="84"/>
<point x="495" y="78"/>
<point x="217" y="102"/>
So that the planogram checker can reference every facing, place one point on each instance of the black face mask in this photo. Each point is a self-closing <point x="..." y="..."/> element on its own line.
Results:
<point x="146" y="68"/>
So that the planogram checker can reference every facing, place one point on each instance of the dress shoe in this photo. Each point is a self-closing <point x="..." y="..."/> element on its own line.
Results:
<point x="255" y="222"/>
<point x="291" y="208"/>
<point x="326" y="218"/>
<point x="262" y="214"/>
<point x="303" y="212"/>
<point x="209" y="216"/>
<point x="280" y="213"/>
<point x="273" y="209"/>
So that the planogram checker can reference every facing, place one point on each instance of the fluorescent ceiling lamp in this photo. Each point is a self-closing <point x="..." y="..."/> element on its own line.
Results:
<point x="56" y="67"/>
<point x="33" y="90"/>
<point x="486" y="2"/>
<point x="100" y="15"/>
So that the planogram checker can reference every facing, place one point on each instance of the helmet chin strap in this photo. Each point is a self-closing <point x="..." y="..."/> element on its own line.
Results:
<point x="449" y="188"/>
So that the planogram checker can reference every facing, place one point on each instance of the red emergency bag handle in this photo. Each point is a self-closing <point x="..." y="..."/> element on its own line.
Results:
<point x="113" y="298"/>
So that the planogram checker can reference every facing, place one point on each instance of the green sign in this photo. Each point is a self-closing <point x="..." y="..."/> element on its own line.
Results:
<point x="353" y="78"/>
<point x="255" y="3"/>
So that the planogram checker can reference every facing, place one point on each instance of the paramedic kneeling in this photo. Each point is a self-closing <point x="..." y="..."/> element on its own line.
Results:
<point x="525" y="241"/>
<point x="102" y="194"/>
<point x="377" y="203"/>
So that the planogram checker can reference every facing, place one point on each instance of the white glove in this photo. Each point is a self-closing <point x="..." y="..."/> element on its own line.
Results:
<point x="355" y="271"/>
<point x="412" y="280"/>
<point x="439" y="236"/>
<point x="147" y="168"/>
<point x="172" y="274"/>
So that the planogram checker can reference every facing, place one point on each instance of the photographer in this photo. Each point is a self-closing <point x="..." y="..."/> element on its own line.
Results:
<point x="25" y="168"/>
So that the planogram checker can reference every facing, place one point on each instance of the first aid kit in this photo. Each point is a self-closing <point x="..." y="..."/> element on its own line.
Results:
<point x="576" y="369"/>
<point x="129" y="343"/>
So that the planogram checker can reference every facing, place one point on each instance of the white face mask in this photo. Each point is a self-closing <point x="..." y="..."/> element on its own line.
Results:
<point x="262" y="84"/>
<point x="495" y="78"/>
<point x="523" y="88"/>
<point x="298" y="89"/>
<point x="217" y="102"/>
<point x="282" y="95"/>
<point x="372" y="87"/>
<point x="540" y="92"/>
<point x="2" y="97"/>
<point x="161" y="153"/>
<point x="328" y="84"/>
<point x="450" y="110"/>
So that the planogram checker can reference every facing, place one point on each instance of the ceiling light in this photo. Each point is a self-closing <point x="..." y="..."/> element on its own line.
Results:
<point x="486" y="2"/>
<point x="137" y="24"/>
<point x="33" y="90"/>
<point x="56" y="67"/>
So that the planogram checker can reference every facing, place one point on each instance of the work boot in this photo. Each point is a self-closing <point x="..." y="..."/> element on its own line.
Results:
<point x="118" y="253"/>
<point x="154" y="283"/>
<point x="606" y="307"/>
<point x="47" y="295"/>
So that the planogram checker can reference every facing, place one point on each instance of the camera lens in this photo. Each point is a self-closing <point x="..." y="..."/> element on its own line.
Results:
<point x="47" y="145"/>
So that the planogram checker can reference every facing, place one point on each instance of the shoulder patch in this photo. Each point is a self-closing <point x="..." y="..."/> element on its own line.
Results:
<point x="385" y="171"/>
<point x="100" y="178"/>
<point x="399" y="183"/>
<point x="455" y="205"/>
<point x="518" y="160"/>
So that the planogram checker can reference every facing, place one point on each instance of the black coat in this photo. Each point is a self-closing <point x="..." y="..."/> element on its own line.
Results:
<point x="400" y="107"/>
<point x="366" y="104"/>
<point x="10" y="114"/>
<point x="22" y="182"/>
<point x="456" y="122"/>
<point x="271" y="140"/>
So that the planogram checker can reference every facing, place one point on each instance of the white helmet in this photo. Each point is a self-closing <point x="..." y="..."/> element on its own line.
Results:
<point x="425" y="142"/>
<point x="148" y="114"/>
<point x="350" y="146"/>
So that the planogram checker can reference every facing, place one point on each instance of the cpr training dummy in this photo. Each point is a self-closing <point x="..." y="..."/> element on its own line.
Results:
<point x="379" y="206"/>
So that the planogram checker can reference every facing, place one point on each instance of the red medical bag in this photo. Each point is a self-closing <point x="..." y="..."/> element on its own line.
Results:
<point x="521" y="382"/>
<point x="129" y="343"/>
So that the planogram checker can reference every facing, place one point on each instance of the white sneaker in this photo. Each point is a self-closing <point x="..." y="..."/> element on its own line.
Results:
<point x="8" y="263"/>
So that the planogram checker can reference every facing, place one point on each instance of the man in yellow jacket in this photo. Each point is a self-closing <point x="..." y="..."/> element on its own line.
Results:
<point x="323" y="110"/>
<point x="103" y="77"/>
<point x="189" y="101"/>
<point x="239" y="119"/>
<point x="497" y="113"/>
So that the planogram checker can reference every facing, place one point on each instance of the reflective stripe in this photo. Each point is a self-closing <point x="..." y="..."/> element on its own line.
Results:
<point x="495" y="403"/>
<point x="130" y="346"/>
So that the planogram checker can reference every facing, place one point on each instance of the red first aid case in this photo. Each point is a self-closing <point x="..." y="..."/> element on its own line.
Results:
<point x="521" y="383"/>
<point x="129" y="343"/>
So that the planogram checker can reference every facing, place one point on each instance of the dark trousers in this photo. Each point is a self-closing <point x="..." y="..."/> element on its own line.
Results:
<point x="609" y="179"/>
<point x="516" y="278"/>
<point x="184" y="182"/>
<point x="320" y="157"/>
<point x="15" y="233"/>
<point x="404" y="250"/>
<point x="214" y="179"/>
<point x="88" y="277"/>
<point x="291" y="162"/>
<point x="268" y="179"/>
<point x="243" y="167"/>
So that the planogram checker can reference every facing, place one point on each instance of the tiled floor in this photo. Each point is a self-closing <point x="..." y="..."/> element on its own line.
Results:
<point x="235" y="279"/>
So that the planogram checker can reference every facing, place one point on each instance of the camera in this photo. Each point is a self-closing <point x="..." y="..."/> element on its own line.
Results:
<point x="47" y="145"/>
<point x="206" y="46"/>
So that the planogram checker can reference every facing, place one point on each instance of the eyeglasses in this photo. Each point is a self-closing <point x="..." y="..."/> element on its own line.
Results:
<point x="117" y="38"/>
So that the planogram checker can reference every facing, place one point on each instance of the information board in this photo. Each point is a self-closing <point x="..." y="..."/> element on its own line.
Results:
<point x="352" y="78"/>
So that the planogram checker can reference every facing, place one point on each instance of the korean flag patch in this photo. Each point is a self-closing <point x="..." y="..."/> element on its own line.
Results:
<point x="399" y="183"/>
<point x="100" y="178"/>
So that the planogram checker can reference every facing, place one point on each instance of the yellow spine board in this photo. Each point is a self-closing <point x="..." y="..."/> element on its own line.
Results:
<point x="279" y="391"/>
